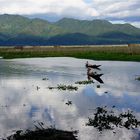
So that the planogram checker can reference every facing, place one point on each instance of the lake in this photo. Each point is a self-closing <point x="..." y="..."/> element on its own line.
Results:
<point x="25" y="98"/>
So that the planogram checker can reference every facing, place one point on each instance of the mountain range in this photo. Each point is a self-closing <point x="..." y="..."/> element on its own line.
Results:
<point x="20" y="30"/>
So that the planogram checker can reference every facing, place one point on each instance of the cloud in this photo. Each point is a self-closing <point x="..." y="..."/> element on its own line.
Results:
<point x="61" y="7"/>
<point x="137" y="24"/>
<point x="113" y="10"/>
<point x="117" y="8"/>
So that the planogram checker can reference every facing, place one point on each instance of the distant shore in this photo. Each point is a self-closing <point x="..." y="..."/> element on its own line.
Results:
<point x="115" y="52"/>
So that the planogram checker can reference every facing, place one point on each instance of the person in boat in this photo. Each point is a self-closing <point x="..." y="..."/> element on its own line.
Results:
<point x="94" y="75"/>
<point x="87" y="64"/>
<point x="92" y="66"/>
<point x="90" y="71"/>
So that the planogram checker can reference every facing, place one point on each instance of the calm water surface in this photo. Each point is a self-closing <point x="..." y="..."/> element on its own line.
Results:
<point x="22" y="105"/>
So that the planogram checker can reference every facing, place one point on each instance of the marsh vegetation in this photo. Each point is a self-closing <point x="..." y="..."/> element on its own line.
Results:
<point x="126" y="53"/>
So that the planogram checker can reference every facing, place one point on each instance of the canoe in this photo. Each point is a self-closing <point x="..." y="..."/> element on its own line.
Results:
<point x="93" y="66"/>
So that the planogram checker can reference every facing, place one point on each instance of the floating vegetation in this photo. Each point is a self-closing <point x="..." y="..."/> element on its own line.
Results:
<point x="69" y="103"/>
<point x="138" y="78"/>
<point x="84" y="82"/>
<point x="64" y="87"/>
<point x="105" y="119"/>
<point x="37" y="87"/>
<point x="51" y="87"/>
<point x="69" y="87"/>
<point x="44" y="79"/>
<point x="43" y="134"/>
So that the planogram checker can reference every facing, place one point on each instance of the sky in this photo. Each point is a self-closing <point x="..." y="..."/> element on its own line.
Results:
<point x="116" y="11"/>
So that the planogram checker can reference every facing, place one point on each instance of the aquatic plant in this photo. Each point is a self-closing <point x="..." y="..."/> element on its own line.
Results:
<point x="69" y="103"/>
<point x="65" y="87"/>
<point x="84" y="82"/>
<point x="69" y="87"/>
<point x="44" y="79"/>
<point x="105" y="119"/>
<point x="138" y="78"/>
<point x="51" y="87"/>
<point x="37" y="87"/>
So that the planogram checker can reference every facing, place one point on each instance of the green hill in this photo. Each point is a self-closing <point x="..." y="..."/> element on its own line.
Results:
<point x="19" y="30"/>
<point x="95" y="27"/>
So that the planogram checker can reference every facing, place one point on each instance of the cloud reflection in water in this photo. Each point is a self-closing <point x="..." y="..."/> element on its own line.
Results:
<point x="21" y="103"/>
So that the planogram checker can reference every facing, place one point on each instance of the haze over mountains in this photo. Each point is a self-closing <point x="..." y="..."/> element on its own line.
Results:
<point x="19" y="30"/>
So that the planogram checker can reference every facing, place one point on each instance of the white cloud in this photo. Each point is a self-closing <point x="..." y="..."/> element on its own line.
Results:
<point x="71" y="7"/>
<point x="61" y="7"/>
<point x="117" y="8"/>
<point x="124" y="10"/>
<point x="137" y="24"/>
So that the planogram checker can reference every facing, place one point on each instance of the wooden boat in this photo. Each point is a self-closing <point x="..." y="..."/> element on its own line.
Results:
<point x="92" y="66"/>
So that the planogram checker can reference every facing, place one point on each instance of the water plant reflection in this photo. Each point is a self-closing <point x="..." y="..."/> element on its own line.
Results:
<point x="41" y="133"/>
<point x="107" y="119"/>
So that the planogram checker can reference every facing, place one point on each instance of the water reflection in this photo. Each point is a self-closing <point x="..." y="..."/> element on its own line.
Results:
<point x="21" y="103"/>
<point x="91" y="73"/>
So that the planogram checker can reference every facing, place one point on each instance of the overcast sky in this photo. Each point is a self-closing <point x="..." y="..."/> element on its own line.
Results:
<point x="117" y="11"/>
